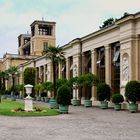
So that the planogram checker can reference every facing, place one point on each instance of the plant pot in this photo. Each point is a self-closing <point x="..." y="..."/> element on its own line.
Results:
<point x="104" y="104"/>
<point x="34" y="98"/>
<point x="13" y="98"/>
<point x="42" y="99"/>
<point x="53" y="104"/>
<point x="4" y="97"/>
<point x="117" y="106"/>
<point x="63" y="108"/>
<point x="88" y="103"/>
<point x="47" y="99"/>
<point x="133" y="107"/>
<point x="38" y="98"/>
<point x="76" y="102"/>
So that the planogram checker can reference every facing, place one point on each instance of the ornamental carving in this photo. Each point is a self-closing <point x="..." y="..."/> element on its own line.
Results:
<point x="125" y="67"/>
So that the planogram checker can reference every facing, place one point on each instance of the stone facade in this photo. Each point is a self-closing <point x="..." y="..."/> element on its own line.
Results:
<point x="112" y="53"/>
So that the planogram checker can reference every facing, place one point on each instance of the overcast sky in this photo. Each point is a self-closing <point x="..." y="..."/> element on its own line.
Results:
<point x="74" y="18"/>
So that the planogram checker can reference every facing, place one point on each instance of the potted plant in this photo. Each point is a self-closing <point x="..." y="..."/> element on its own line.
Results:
<point x="103" y="94"/>
<point x="87" y="81"/>
<point x="132" y="94"/>
<point x="12" y="91"/>
<point x="38" y="89"/>
<point x="63" y="98"/>
<point x="52" y="99"/>
<point x="117" y="99"/>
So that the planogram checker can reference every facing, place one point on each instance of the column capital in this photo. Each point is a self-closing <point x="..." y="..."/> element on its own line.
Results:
<point x="76" y="55"/>
<point x="107" y="47"/>
<point x="67" y="59"/>
<point x="93" y="51"/>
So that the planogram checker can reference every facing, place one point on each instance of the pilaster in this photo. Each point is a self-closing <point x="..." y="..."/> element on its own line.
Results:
<point x="59" y="71"/>
<point x="36" y="29"/>
<point x="67" y="68"/>
<point x="94" y="71"/>
<point x="108" y="65"/>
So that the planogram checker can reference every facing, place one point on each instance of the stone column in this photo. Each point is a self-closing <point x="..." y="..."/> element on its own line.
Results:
<point x="44" y="67"/>
<point x="94" y="71"/>
<point x="67" y="68"/>
<point x="59" y="71"/>
<point x="36" y="29"/>
<point x="83" y="72"/>
<point x="83" y="63"/>
<point x="39" y="74"/>
<point x="53" y="31"/>
<point x="108" y="65"/>
<point x="137" y="58"/>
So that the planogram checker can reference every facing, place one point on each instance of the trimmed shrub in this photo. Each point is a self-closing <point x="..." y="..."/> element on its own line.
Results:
<point x="63" y="95"/>
<point x="117" y="98"/>
<point x="48" y="86"/>
<point x="29" y="76"/>
<point x="103" y="92"/>
<point x="132" y="91"/>
<point x="61" y="82"/>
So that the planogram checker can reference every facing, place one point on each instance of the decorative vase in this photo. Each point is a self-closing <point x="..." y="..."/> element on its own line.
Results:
<point x="53" y="104"/>
<point x="117" y="106"/>
<point x="13" y="98"/>
<point x="104" y="104"/>
<point x="133" y="107"/>
<point x="47" y="99"/>
<point x="88" y="103"/>
<point x="63" y="108"/>
<point x="42" y="99"/>
<point x="76" y="102"/>
<point x="38" y="98"/>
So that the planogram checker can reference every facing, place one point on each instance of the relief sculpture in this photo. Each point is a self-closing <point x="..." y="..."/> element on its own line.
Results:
<point x="125" y="68"/>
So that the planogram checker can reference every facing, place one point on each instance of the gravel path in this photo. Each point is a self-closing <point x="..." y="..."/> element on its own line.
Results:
<point x="80" y="124"/>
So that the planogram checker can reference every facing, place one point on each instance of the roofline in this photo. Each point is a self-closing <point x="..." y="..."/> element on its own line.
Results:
<point x="42" y="21"/>
<point x="112" y="26"/>
<point x="26" y="35"/>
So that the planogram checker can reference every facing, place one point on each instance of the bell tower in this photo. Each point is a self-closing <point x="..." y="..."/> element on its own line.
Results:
<point x="42" y="36"/>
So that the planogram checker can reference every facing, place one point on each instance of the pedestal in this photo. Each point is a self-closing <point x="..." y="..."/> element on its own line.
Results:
<point x="28" y="104"/>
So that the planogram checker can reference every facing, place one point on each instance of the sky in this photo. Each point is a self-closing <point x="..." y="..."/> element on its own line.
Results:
<point x="74" y="18"/>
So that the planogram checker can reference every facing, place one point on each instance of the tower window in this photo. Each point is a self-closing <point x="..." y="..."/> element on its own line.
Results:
<point x="45" y="45"/>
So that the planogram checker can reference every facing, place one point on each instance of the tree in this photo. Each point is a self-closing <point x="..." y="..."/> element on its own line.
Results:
<point x="29" y="76"/>
<point x="125" y="14"/>
<point x="13" y="70"/>
<point x="107" y="23"/>
<point x="3" y="76"/>
<point x="87" y="81"/>
<point x="38" y="88"/>
<point x="56" y="55"/>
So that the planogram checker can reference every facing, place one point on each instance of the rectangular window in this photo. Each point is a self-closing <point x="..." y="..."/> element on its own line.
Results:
<point x="71" y="67"/>
<point x="116" y="56"/>
<point x="45" y="45"/>
<point x="63" y="68"/>
<point x="101" y="64"/>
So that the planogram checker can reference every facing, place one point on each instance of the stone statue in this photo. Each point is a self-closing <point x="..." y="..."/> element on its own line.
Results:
<point x="125" y="69"/>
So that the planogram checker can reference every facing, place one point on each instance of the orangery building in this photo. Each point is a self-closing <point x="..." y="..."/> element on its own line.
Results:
<point x="112" y="53"/>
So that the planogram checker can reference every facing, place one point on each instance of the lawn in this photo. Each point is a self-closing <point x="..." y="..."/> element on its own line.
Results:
<point x="6" y="106"/>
